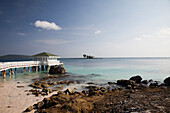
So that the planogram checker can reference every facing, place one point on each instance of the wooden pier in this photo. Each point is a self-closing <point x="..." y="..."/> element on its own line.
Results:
<point x="43" y="60"/>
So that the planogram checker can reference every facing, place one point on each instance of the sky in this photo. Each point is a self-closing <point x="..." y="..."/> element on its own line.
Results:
<point x="71" y="28"/>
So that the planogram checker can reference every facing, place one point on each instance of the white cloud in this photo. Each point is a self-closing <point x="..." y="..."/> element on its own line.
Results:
<point x="52" y="42"/>
<point x="97" y="32"/>
<point x="164" y="31"/>
<point x="47" y="25"/>
<point x="138" y="39"/>
<point x="21" y="34"/>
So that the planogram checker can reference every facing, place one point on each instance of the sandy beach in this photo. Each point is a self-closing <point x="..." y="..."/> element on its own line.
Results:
<point x="16" y="100"/>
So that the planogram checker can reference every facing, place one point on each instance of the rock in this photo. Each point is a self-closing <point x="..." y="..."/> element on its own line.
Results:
<point x="63" y="82"/>
<point x="150" y="80"/>
<point x="29" y="109"/>
<point x="137" y="79"/>
<point x="95" y="88"/>
<point x="84" y="91"/>
<point x="39" y="105"/>
<point x="167" y="81"/>
<point x="45" y="85"/>
<point x="20" y="86"/>
<point x="92" y="93"/>
<point x="144" y="82"/>
<point x="58" y="88"/>
<point x="78" y="93"/>
<point x="69" y="91"/>
<point x="90" y="83"/>
<point x="70" y="82"/>
<point x="103" y="89"/>
<point x="128" y="87"/>
<point x="57" y="70"/>
<point x="153" y="85"/>
<point x="125" y="82"/>
<point x="78" y="105"/>
<point x="111" y="83"/>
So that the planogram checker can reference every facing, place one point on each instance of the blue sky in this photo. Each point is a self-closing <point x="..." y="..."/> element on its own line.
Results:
<point x="70" y="28"/>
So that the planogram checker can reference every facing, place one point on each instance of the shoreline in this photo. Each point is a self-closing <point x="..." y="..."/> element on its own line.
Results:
<point x="89" y="100"/>
<point x="17" y="96"/>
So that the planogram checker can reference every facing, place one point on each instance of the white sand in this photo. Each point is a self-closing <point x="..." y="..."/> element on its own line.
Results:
<point x="15" y="100"/>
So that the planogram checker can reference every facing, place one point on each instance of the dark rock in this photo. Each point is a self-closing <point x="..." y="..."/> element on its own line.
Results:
<point x="125" y="82"/>
<point x="103" y="89"/>
<point x="90" y="83"/>
<point x="150" y="80"/>
<point x="63" y="82"/>
<point x="137" y="79"/>
<point x="144" y="82"/>
<point x="111" y="83"/>
<point x="78" y="105"/>
<point x="167" y="81"/>
<point x="29" y="109"/>
<point x="70" y="82"/>
<point x="128" y="87"/>
<point x="45" y="85"/>
<point x="69" y="91"/>
<point x="95" y="88"/>
<point x="92" y="93"/>
<point x="39" y="105"/>
<point x="20" y="86"/>
<point x="57" y="70"/>
<point x="84" y="91"/>
<point x="153" y="85"/>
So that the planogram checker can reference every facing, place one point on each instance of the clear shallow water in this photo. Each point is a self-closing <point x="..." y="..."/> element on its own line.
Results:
<point x="107" y="69"/>
<point x="112" y="69"/>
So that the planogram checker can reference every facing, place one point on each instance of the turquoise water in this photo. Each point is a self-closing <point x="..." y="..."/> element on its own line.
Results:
<point x="112" y="69"/>
<point x="106" y="69"/>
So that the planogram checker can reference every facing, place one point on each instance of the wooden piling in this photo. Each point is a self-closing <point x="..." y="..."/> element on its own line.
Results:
<point x="1" y="73"/>
<point x="47" y="68"/>
<point x="38" y="68"/>
<point x="29" y="69"/>
<point x="42" y="67"/>
<point x="12" y="72"/>
<point x="9" y="72"/>
<point x="23" y="70"/>
<point x="4" y="74"/>
<point x="15" y="70"/>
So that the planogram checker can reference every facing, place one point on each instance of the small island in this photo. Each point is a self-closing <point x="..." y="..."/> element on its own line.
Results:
<point x="88" y="56"/>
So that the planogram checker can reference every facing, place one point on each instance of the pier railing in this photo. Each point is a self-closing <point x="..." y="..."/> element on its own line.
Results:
<point x="8" y="65"/>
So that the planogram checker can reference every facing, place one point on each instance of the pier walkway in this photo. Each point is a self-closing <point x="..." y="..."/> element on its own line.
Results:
<point x="42" y="60"/>
<point x="20" y="64"/>
<point x="35" y="65"/>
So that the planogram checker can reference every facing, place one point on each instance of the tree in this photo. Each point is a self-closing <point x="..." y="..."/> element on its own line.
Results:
<point x="84" y="55"/>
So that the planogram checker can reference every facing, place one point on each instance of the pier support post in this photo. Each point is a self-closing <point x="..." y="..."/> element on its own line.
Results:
<point x="4" y="74"/>
<point x="9" y="72"/>
<point x="29" y="69"/>
<point x="47" y="68"/>
<point x="23" y="69"/>
<point x="42" y="67"/>
<point x="15" y="70"/>
<point x="38" y="68"/>
<point x="12" y="72"/>
<point x="1" y="72"/>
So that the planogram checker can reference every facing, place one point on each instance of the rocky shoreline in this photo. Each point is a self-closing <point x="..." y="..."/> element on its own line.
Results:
<point x="133" y="95"/>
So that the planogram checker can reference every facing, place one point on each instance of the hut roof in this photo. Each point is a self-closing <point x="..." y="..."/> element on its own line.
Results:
<point x="44" y="54"/>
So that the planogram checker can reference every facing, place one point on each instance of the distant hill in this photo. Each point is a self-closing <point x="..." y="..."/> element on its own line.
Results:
<point x="13" y="56"/>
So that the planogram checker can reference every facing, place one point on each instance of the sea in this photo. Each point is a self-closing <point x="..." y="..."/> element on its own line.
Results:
<point x="103" y="70"/>
<point x="99" y="71"/>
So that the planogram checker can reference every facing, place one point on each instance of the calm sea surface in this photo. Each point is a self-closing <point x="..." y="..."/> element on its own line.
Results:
<point x="108" y="69"/>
